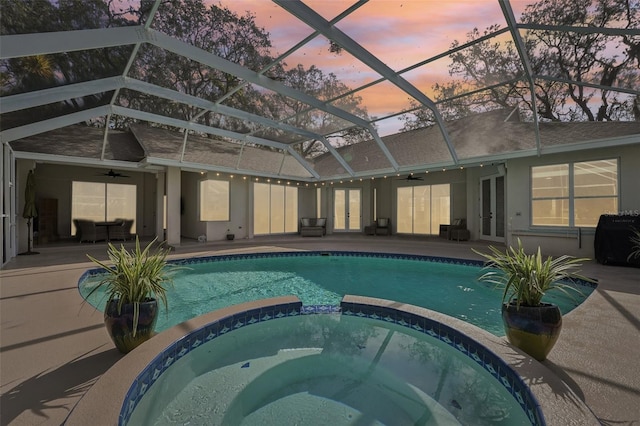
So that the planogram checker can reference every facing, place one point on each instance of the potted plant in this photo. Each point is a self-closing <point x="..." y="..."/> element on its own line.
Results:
<point x="230" y="235"/>
<point x="530" y="324"/>
<point x="134" y="282"/>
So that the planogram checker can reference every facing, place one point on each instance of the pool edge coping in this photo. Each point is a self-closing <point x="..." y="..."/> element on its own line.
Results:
<point x="559" y="404"/>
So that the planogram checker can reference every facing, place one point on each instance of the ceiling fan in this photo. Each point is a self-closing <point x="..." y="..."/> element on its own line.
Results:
<point x="411" y="177"/>
<point x="113" y="174"/>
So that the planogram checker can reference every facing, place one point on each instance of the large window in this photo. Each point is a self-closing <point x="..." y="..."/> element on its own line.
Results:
<point x="421" y="209"/>
<point x="573" y="194"/>
<point x="275" y="209"/>
<point x="214" y="200"/>
<point x="102" y="202"/>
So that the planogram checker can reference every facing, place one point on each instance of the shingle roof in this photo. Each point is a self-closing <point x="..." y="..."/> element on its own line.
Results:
<point x="83" y="141"/>
<point x="477" y="136"/>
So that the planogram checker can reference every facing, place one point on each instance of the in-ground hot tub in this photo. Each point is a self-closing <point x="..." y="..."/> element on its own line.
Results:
<point x="117" y="394"/>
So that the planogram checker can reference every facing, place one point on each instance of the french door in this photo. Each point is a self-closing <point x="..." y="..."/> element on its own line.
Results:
<point x="347" y="209"/>
<point x="492" y="207"/>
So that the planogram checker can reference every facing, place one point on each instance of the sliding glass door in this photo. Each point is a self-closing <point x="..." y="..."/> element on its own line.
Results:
<point x="102" y="202"/>
<point x="275" y="209"/>
<point x="422" y="208"/>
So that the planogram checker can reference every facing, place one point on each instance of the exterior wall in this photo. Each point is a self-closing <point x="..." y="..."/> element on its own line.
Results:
<point x="558" y="241"/>
<point x="174" y="177"/>
<point x="307" y="201"/>
<point x="147" y="226"/>
<point x="54" y="181"/>
<point x="190" y="224"/>
<point x="240" y="221"/>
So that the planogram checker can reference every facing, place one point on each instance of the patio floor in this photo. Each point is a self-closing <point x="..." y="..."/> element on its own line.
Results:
<point x="53" y="348"/>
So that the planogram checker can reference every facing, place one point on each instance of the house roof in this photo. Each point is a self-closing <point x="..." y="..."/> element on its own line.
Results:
<point x="476" y="138"/>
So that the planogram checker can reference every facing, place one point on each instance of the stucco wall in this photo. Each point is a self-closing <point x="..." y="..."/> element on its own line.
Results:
<point x="556" y="241"/>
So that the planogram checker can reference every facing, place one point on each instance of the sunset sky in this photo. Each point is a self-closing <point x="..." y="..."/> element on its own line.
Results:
<point x="401" y="33"/>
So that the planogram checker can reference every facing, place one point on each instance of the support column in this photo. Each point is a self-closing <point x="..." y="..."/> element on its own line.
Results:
<point x="173" y="206"/>
<point x="161" y="183"/>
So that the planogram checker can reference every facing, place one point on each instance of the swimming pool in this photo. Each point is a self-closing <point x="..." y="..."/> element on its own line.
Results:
<point x="371" y="364"/>
<point x="444" y="285"/>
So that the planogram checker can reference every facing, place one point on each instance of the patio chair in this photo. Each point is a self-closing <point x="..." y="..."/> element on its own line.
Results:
<point x="89" y="231"/>
<point x="122" y="230"/>
<point x="456" y="231"/>
<point x="383" y="226"/>
<point x="313" y="227"/>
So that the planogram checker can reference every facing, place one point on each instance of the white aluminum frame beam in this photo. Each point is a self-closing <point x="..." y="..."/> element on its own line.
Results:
<point x="21" y="45"/>
<point x="324" y="27"/>
<point x="526" y="63"/>
<point x="199" y="55"/>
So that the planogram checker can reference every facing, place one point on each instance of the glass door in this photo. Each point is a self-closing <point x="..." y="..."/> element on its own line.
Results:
<point x="492" y="194"/>
<point x="347" y="209"/>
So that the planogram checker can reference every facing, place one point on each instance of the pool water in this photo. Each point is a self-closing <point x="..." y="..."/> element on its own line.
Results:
<point x="324" y="278"/>
<point x="326" y="370"/>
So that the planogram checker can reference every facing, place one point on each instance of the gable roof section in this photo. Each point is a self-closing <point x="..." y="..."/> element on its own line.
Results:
<point x="169" y="147"/>
<point x="83" y="141"/>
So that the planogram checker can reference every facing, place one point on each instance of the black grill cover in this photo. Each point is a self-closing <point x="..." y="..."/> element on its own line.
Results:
<point x="612" y="241"/>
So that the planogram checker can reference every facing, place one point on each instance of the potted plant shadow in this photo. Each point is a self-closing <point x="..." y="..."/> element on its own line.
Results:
<point x="531" y="324"/>
<point x="635" y="247"/>
<point x="134" y="282"/>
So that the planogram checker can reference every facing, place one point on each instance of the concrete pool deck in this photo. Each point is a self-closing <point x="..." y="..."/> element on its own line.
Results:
<point x="53" y="348"/>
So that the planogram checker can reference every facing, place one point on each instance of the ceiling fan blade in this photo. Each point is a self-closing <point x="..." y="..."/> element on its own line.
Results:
<point x="113" y="174"/>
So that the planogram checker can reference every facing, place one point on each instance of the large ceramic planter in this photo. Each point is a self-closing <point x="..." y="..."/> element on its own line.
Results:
<point x="120" y="325"/>
<point x="533" y="329"/>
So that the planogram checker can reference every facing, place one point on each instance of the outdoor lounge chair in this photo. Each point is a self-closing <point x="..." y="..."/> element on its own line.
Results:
<point x="383" y="226"/>
<point x="312" y="227"/>
<point x="122" y="230"/>
<point x="456" y="231"/>
<point x="89" y="231"/>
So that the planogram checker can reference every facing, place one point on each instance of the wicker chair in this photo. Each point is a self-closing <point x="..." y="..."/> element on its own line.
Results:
<point x="122" y="230"/>
<point x="89" y="231"/>
<point x="456" y="231"/>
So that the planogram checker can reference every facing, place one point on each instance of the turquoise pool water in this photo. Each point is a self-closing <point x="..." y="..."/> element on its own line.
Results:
<point x="324" y="278"/>
<point x="326" y="370"/>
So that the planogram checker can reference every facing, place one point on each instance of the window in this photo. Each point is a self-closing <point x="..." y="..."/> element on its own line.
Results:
<point x="421" y="209"/>
<point x="573" y="194"/>
<point x="275" y="209"/>
<point x="102" y="202"/>
<point x="214" y="200"/>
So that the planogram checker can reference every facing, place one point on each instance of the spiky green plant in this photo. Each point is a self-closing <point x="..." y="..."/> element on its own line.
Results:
<point x="635" y="242"/>
<point x="135" y="276"/>
<point x="526" y="278"/>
